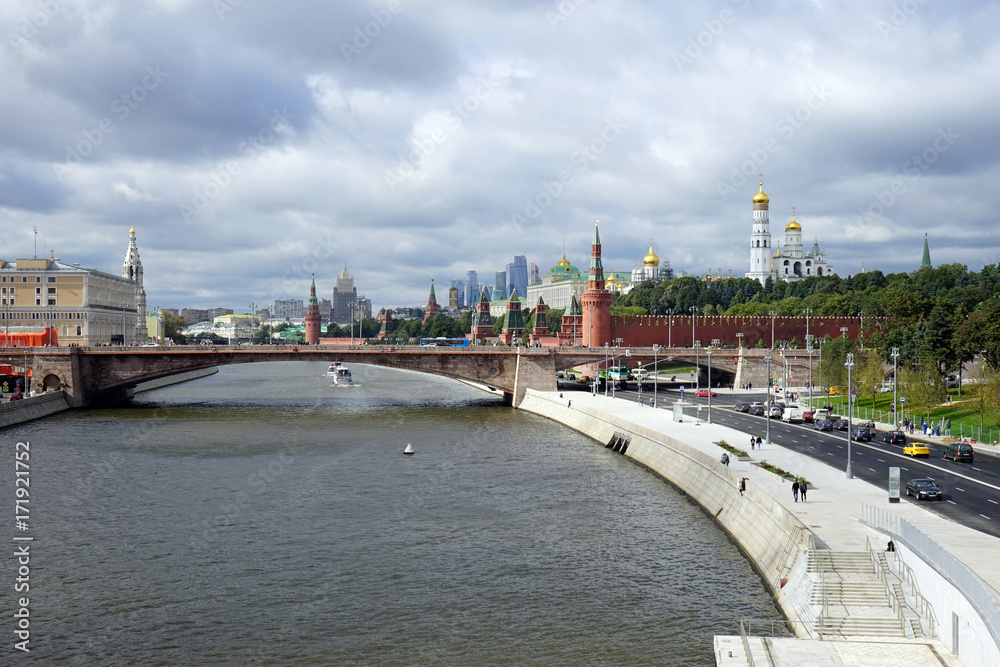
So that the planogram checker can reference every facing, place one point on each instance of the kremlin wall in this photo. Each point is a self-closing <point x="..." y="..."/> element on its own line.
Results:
<point x="647" y="330"/>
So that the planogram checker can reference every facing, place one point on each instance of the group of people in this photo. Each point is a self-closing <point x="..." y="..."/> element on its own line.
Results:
<point x="799" y="488"/>
<point x="758" y="441"/>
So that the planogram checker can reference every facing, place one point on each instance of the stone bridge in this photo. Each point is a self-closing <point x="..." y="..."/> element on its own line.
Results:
<point x="96" y="375"/>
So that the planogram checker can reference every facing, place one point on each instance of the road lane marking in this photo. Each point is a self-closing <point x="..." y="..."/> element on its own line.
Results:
<point x="881" y="460"/>
<point x="960" y="489"/>
<point x="986" y="517"/>
<point x="873" y="470"/>
<point x="951" y="501"/>
<point x="993" y="501"/>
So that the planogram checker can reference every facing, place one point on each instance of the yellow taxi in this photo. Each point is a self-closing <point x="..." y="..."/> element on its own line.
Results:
<point x="916" y="449"/>
<point x="834" y="391"/>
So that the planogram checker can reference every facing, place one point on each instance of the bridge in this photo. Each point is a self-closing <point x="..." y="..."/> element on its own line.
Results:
<point x="97" y="375"/>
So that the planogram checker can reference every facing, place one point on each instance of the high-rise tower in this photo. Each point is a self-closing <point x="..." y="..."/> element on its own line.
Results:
<point x="132" y="270"/>
<point x="596" y="300"/>
<point x="312" y="316"/>
<point x="760" y="239"/>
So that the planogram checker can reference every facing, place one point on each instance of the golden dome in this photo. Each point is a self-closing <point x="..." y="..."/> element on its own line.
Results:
<point x="793" y="226"/>
<point x="132" y="229"/>
<point x="651" y="259"/>
<point x="760" y="197"/>
<point x="563" y="261"/>
<point x="611" y="278"/>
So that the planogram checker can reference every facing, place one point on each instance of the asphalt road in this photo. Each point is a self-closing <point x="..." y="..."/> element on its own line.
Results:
<point x="971" y="491"/>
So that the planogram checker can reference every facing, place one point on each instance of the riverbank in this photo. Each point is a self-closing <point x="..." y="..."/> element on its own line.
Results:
<point x="834" y="518"/>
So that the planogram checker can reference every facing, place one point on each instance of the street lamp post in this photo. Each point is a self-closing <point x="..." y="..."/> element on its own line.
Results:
<point x="253" y="308"/>
<point x="697" y="368"/>
<point x="614" y="382"/>
<point x="693" y="309"/>
<point x="809" y="347"/>
<point x="849" y="364"/>
<point x="767" y="403"/>
<point x="895" y="387"/>
<point x="670" y="327"/>
<point x="739" y="341"/>
<point x="772" y="313"/>
<point x="655" y="383"/>
<point x="605" y="370"/>
<point x="709" y="353"/>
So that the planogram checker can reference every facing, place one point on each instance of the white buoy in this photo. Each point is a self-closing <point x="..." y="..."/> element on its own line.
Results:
<point x="409" y="449"/>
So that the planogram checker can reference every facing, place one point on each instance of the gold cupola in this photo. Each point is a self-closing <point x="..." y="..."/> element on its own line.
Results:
<point x="793" y="226"/>
<point x="761" y="200"/>
<point x="651" y="258"/>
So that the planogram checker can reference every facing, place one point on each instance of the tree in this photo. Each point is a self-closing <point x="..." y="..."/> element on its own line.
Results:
<point x="980" y="332"/>
<point x="834" y="355"/>
<point x="924" y="386"/>
<point x="869" y="373"/>
<point x="173" y="325"/>
<point x="985" y="391"/>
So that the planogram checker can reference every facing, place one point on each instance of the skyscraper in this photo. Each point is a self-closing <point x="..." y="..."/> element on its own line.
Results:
<point x="471" y="288"/>
<point x="517" y="277"/>
<point x="499" y="285"/>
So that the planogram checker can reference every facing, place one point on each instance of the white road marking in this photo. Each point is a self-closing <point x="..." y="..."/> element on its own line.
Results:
<point x="873" y="470"/>
<point x="993" y="501"/>
<point x="881" y="460"/>
<point x="951" y="501"/>
<point x="986" y="517"/>
<point x="960" y="489"/>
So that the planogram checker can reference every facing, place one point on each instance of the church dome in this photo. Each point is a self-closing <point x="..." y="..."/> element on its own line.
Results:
<point x="760" y="197"/>
<point x="651" y="259"/>
<point x="611" y="278"/>
<point x="563" y="261"/>
<point x="793" y="226"/>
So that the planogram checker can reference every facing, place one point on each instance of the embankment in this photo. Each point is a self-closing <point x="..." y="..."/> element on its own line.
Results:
<point x="773" y="539"/>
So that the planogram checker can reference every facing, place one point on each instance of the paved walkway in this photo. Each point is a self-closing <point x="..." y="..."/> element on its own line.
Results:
<point x="834" y="505"/>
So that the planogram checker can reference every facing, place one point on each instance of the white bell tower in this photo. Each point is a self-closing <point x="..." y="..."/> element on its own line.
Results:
<point x="761" y="250"/>
<point x="132" y="270"/>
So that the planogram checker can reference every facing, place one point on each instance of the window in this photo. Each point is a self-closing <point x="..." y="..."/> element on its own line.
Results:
<point x="38" y="302"/>
<point x="78" y="332"/>
<point x="52" y="302"/>
<point x="52" y="279"/>
<point x="38" y="279"/>
<point x="52" y="290"/>
<point x="38" y="290"/>
<point x="24" y="279"/>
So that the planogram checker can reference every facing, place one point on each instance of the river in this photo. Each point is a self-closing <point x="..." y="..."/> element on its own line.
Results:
<point x="263" y="516"/>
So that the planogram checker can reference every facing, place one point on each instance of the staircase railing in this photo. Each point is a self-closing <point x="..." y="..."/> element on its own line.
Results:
<point x="923" y="607"/>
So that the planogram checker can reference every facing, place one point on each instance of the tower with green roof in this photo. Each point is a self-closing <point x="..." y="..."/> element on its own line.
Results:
<point x="926" y="260"/>
<point x="513" y="325"/>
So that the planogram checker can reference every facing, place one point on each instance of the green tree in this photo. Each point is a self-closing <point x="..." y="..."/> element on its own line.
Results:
<point x="980" y="332"/>
<point x="869" y="374"/>
<point x="924" y="387"/>
<point x="173" y="325"/>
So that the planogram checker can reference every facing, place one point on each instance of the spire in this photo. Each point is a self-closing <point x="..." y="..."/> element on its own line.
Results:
<point x="926" y="261"/>
<point x="596" y="279"/>
<point x="312" y="292"/>
<point x="432" y="297"/>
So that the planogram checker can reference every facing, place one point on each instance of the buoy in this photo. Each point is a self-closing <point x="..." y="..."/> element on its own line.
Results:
<point x="409" y="449"/>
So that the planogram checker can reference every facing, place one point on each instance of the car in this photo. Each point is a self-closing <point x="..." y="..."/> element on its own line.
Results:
<point x="916" y="449"/>
<point x="742" y="407"/>
<point x="894" y="437"/>
<point x="823" y="425"/>
<point x="841" y="424"/>
<point x="703" y="393"/>
<point x="792" y="415"/>
<point x="807" y="416"/>
<point x="924" y="489"/>
<point x="862" y="433"/>
<point x="960" y="452"/>
<point x="757" y="410"/>
<point x="774" y="412"/>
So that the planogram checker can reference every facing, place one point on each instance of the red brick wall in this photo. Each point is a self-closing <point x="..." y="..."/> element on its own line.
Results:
<point x="647" y="330"/>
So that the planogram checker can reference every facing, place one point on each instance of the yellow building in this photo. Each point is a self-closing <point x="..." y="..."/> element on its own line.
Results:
<point x="86" y="306"/>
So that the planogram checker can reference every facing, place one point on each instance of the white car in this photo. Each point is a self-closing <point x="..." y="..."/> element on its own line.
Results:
<point x="792" y="415"/>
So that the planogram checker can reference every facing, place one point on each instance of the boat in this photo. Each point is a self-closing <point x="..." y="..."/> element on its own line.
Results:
<point x="332" y="370"/>
<point x="409" y="449"/>
<point x="342" y="376"/>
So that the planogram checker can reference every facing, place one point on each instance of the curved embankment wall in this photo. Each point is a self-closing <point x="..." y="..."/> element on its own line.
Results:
<point x="773" y="539"/>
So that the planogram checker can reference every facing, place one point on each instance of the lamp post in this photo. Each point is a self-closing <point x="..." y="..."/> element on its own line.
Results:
<point x="655" y="383"/>
<point x="739" y="341"/>
<point x="253" y="308"/>
<point x="670" y="327"/>
<point x="697" y="368"/>
<point x="895" y="387"/>
<point x="809" y="347"/>
<point x="861" y="330"/>
<point x="605" y="370"/>
<point x="618" y="343"/>
<point x="693" y="309"/>
<point x="767" y="403"/>
<point x="849" y="364"/>
<point x="772" y="313"/>
<point x="709" y="353"/>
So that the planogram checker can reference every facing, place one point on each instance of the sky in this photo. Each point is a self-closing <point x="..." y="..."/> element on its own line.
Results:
<point x="255" y="144"/>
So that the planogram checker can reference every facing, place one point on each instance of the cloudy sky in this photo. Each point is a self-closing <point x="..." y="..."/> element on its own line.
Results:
<point x="254" y="143"/>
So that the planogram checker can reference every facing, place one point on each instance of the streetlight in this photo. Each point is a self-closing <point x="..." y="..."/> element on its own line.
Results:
<point x="767" y="411"/>
<point x="697" y="368"/>
<point x="849" y="364"/>
<point x="809" y="347"/>
<point x="709" y="353"/>
<point x="614" y="385"/>
<point x="895" y="386"/>
<point x="861" y="330"/>
<point x="693" y="309"/>
<point x="739" y="341"/>
<point x="670" y="327"/>
<point x="605" y="369"/>
<point x="253" y="308"/>
<point x="772" y="313"/>
<point x="655" y="383"/>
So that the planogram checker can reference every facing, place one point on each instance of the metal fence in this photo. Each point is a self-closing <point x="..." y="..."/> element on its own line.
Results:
<point x="949" y="567"/>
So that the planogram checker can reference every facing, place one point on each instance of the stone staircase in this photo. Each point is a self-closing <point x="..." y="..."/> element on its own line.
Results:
<point x="852" y="600"/>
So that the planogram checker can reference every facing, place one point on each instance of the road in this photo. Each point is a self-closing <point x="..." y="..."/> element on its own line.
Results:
<point x="971" y="491"/>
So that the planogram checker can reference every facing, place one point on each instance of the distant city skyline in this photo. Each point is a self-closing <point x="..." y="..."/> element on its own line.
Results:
<point x="253" y="150"/>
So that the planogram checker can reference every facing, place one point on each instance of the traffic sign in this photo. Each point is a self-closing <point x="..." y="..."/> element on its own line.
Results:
<point x="902" y="399"/>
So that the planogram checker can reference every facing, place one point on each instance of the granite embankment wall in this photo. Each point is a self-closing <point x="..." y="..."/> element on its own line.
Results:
<point x="175" y="379"/>
<point x="773" y="539"/>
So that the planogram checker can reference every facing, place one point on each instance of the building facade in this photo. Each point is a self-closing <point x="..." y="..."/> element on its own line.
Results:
<point x="288" y="309"/>
<point x="345" y="297"/>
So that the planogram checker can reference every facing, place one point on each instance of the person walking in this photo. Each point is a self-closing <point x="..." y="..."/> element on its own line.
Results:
<point x="760" y="441"/>
<point x="725" y="459"/>
<point x="795" y="490"/>
<point x="753" y="441"/>
<point x="802" y="490"/>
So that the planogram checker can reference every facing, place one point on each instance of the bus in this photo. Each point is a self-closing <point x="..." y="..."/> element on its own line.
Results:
<point x="444" y="342"/>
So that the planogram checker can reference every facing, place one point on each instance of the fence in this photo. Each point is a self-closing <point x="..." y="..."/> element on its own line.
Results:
<point x="949" y="567"/>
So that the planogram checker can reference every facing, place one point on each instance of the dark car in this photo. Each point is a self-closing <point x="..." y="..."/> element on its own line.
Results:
<point x="862" y="433"/>
<point x="823" y="425"/>
<point x="958" y="452"/>
<point x="841" y="424"/>
<point x="894" y="437"/>
<point x="757" y="410"/>
<point x="742" y="407"/>
<point x="924" y="489"/>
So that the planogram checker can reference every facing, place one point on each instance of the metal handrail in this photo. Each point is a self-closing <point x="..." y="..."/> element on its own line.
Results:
<point x="746" y="646"/>
<point x="924" y="608"/>
<point x="823" y="614"/>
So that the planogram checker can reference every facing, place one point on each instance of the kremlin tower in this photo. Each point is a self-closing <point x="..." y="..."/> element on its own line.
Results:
<point x="432" y="305"/>
<point x="312" y="316"/>
<point x="541" y="328"/>
<point x="760" y="239"/>
<point x="596" y="300"/>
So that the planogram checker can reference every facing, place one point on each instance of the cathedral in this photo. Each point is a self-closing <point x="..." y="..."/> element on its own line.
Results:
<point x="767" y="261"/>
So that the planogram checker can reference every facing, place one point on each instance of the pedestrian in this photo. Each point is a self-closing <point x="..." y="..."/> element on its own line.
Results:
<point x="743" y="485"/>
<point x="802" y="490"/>
<point x="760" y="441"/>
<point x="947" y="427"/>
<point x="795" y="490"/>
<point x="725" y="459"/>
<point x="753" y="441"/>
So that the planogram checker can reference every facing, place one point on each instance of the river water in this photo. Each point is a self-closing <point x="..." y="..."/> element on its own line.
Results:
<point x="263" y="516"/>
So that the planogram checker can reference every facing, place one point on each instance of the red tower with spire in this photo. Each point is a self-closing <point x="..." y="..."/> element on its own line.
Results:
<point x="596" y="300"/>
<point x="541" y="328"/>
<point x="432" y="304"/>
<point x="312" y="316"/>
